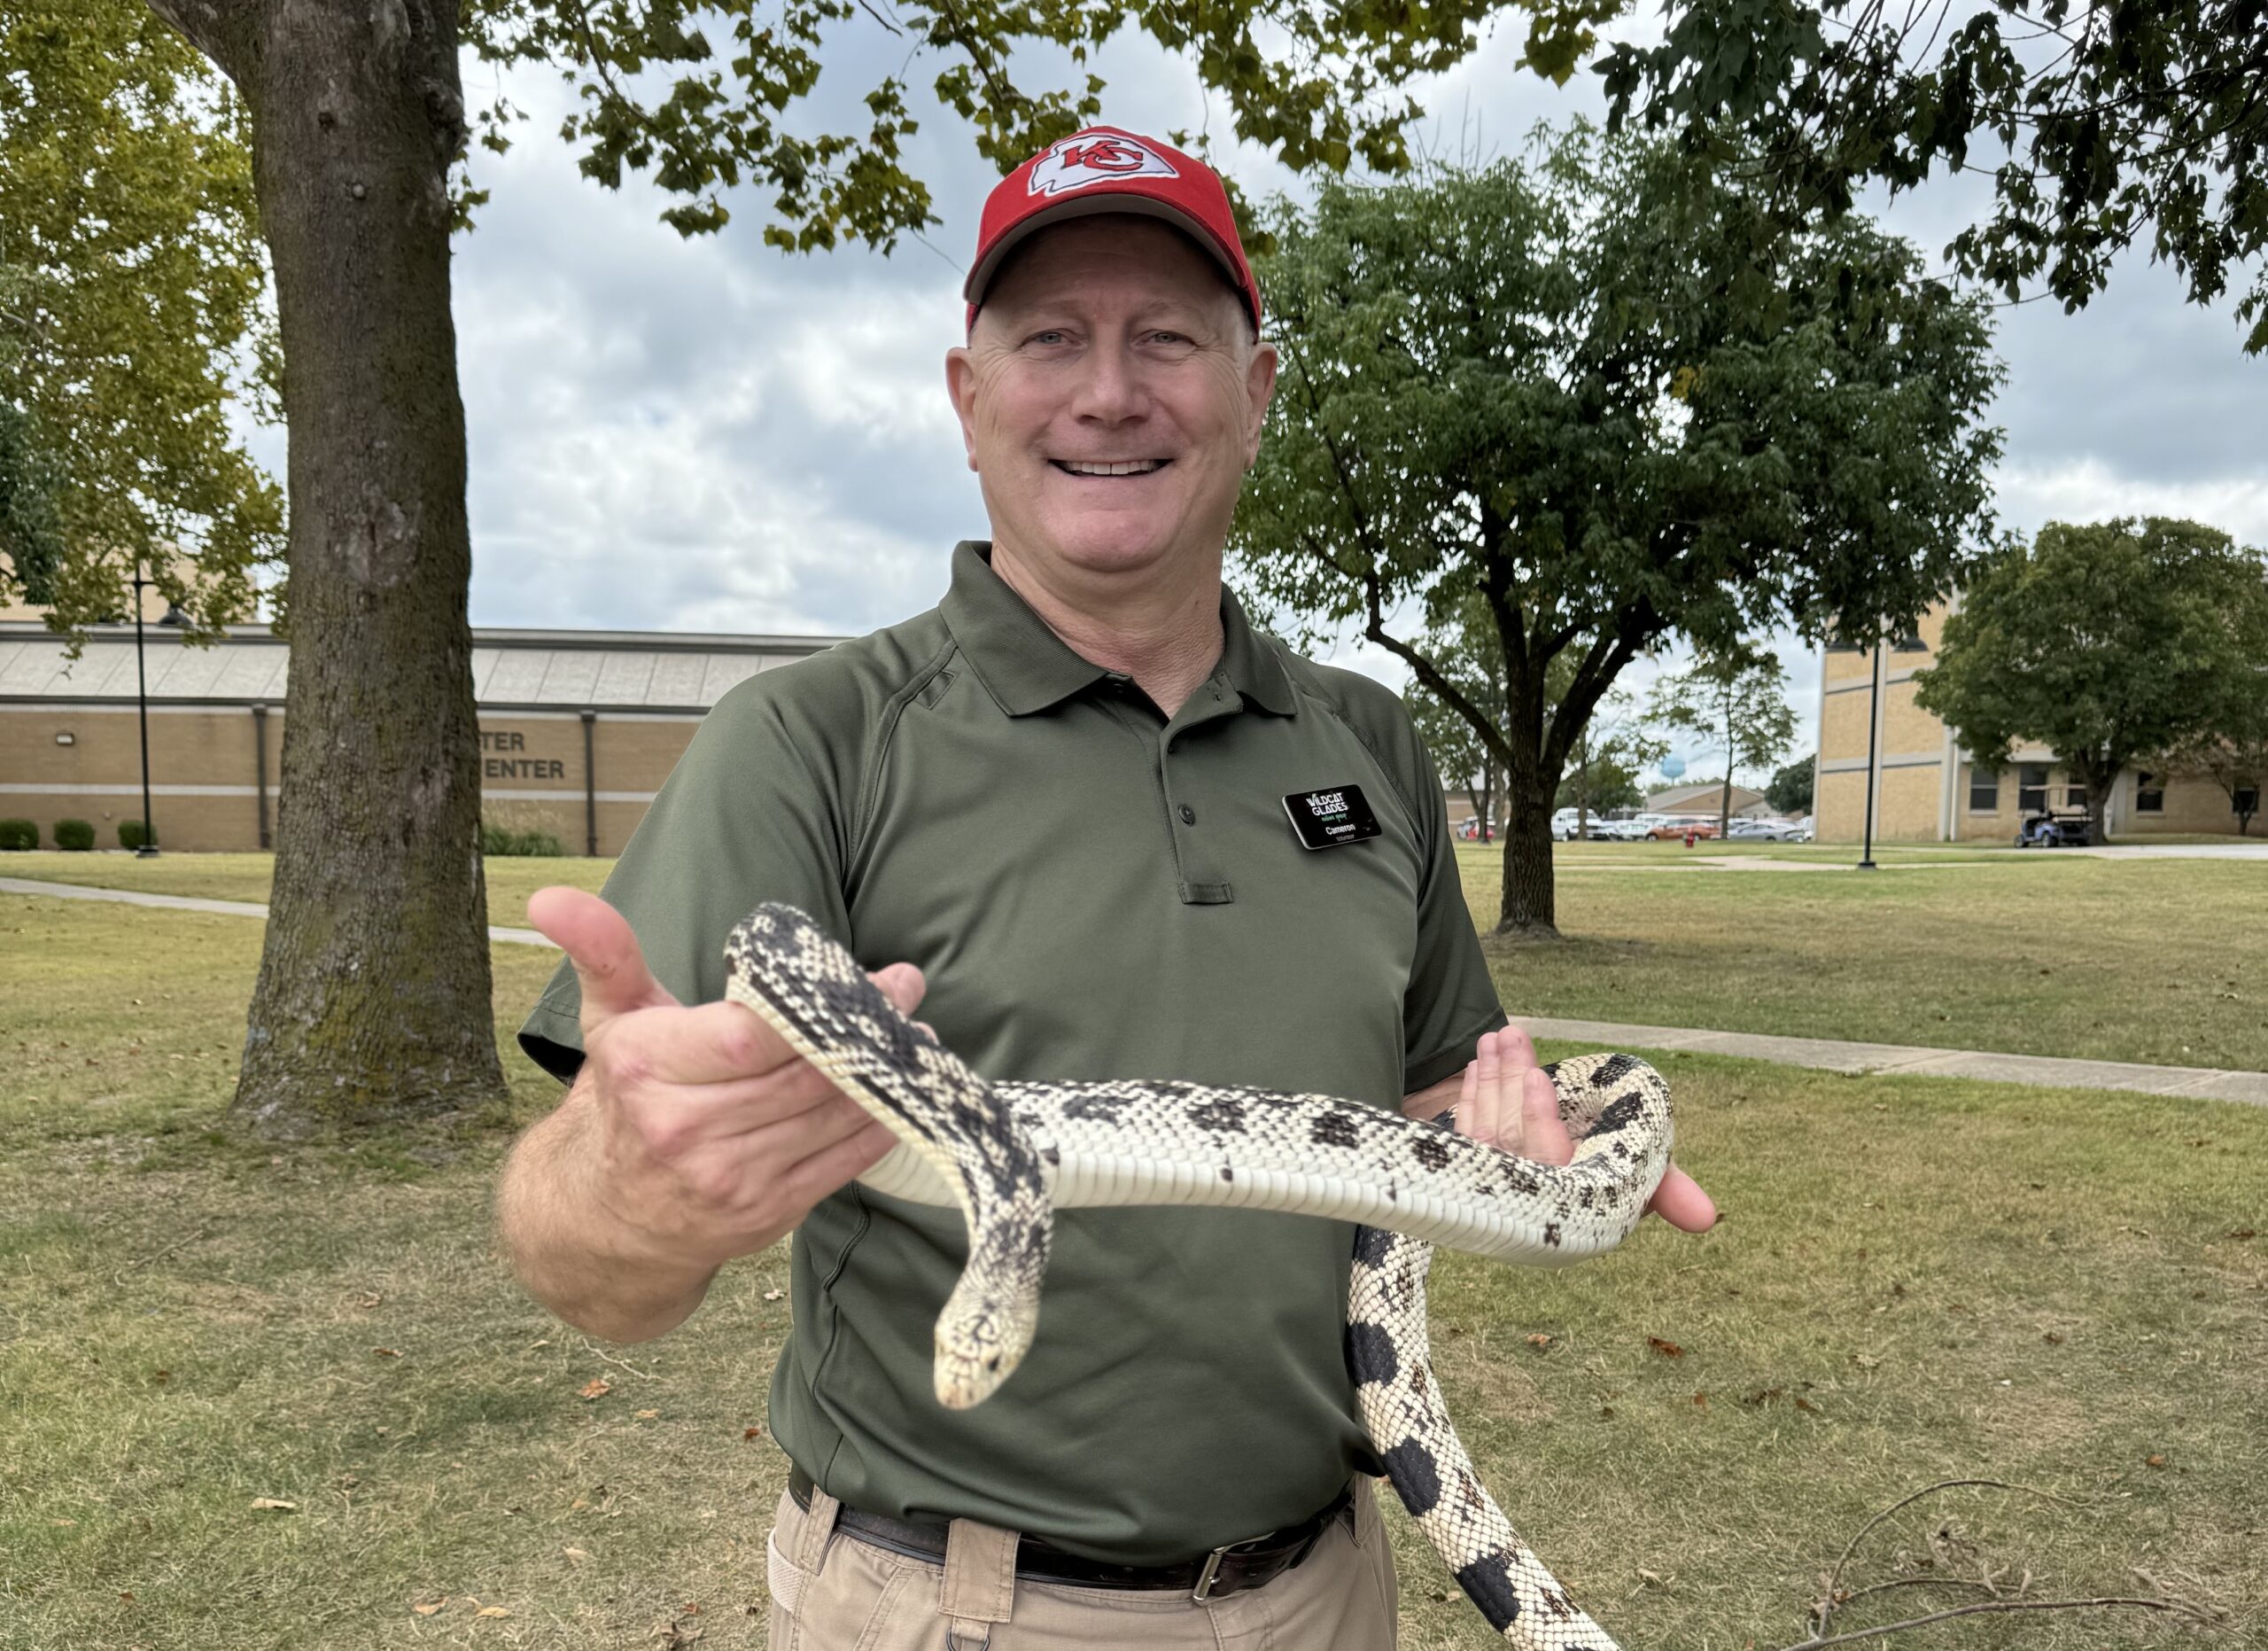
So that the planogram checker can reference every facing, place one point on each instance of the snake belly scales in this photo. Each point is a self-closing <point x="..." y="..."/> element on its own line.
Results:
<point x="1008" y="1155"/>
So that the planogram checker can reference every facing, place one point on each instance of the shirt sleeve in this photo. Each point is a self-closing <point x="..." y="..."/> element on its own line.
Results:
<point x="754" y="811"/>
<point x="1450" y="1000"/>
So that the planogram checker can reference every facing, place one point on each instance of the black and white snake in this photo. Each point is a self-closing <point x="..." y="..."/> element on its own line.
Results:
<point x="1010" y="1154"/>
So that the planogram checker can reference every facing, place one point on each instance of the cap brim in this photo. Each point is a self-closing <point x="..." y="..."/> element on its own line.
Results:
<point x="1091" y="206"/>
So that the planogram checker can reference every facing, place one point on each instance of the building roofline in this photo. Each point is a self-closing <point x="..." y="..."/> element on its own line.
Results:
<point x="493" y="636"/>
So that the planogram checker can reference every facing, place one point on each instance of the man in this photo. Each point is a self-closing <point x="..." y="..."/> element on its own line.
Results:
<point x="1073" y="795"/>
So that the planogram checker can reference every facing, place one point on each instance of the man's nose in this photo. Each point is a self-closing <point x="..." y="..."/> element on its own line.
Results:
<point x="1110" y="387"/>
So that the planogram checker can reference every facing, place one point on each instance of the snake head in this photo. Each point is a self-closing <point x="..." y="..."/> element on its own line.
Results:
<point x="980" y="1340"/>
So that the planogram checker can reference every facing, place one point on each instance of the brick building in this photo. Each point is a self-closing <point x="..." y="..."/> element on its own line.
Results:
<point x="578" y="728"/>
<point x="1926" y="788"/>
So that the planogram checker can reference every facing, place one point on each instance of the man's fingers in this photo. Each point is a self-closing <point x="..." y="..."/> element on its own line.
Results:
<point x="713" y="1044"/>
<point x="835" y="1165"/>
<point x="1680" y="1201"/>
<point x="902" y="985"/>
<point x="598" y="941"/>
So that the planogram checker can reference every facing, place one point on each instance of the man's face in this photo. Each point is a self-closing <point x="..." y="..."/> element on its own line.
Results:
<point x="1111" y="398"/>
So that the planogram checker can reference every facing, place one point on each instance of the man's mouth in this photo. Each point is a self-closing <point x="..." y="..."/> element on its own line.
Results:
<point x="1122" y="467"/>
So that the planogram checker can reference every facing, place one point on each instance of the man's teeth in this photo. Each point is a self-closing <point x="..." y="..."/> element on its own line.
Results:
<point x="1131" y="467"/>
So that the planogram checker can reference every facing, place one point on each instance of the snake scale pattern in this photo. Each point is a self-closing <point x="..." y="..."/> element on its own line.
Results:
<point x="1008" y="1155"/>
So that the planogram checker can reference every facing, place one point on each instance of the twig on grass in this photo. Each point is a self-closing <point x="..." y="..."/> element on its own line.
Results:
<point x="1856" y="1634"/>
<point x="596" y="1351"/>
<point x="1823" y="1610"/>
<point x="160" y="1255"/>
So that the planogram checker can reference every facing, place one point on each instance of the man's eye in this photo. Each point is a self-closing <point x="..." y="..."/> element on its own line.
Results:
<point x="1052" y="335"/>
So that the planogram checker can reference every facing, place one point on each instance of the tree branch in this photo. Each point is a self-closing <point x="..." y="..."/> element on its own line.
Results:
<point x="1856" y="1634"/>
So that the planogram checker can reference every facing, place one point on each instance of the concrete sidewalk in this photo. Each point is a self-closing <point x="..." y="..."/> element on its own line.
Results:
<point x="183" y="903"/>
<point x="1829" y="1055"/>
<point x="1823" y="1053"/>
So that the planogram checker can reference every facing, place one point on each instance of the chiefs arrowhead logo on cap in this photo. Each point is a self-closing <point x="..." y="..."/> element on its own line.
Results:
<point x="1104" y="169"/>
<point x="1088" y="158"/>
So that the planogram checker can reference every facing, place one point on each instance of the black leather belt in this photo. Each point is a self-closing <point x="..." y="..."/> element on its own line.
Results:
<point x="1226" y="1571"/>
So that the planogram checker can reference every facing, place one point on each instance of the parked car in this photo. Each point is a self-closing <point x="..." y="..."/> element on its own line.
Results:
<point x="1674" y="830"/>
<point x="1770" y="830"/>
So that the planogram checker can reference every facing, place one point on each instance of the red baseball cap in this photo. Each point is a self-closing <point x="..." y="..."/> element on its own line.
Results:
<point x="1106" y="170"/>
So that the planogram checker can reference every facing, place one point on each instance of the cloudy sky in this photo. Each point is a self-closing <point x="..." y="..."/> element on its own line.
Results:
<point x="711" y="436"/>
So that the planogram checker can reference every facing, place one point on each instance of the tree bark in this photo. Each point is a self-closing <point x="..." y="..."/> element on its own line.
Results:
<point x="374" y="992"/>
<point x="1530" y="903"/>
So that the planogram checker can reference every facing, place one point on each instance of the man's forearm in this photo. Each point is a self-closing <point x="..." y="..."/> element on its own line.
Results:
<point x="571" y="1250"/>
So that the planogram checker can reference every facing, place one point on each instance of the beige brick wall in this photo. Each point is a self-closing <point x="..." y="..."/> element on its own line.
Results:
<point x="532" y="773"/>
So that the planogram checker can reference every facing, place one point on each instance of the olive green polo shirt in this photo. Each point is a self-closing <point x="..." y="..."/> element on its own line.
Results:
<point x="1093" y="891"/>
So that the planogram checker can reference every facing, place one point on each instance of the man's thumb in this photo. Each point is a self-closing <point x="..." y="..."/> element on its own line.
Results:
<point x="599" y="942"/>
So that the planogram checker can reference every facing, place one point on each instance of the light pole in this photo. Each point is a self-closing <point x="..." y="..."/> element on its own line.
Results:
<point x="1874" y="743"/>
<point x="149" y="846"/>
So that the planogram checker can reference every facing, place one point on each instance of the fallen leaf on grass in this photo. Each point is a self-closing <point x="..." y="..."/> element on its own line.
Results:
<point x="597" y="1387"/>
<point x="2054" y="1338"/>
<point x="1667" y="1350"/>
<point x="577" y="1506"/>
<point x="773" y="1295"/>
<point x="1700" y="1401"/>
<point x="62" y="1522"/>
<point x="386" y="1352"/>
<point x="751" y="1433"/>
<point x="2154" y="1461"/>
<point x="426" y="1608"/>
<point x="1539" y="1340"/>
<point x="277" y="1503"/>
<point x="648" y="1415"/>
<point x="578" y="1555"/>
<point x="2243" y="1232"/>
<point x="491" y="1610"/>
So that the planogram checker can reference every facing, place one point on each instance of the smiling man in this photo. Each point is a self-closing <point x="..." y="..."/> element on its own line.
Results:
<point x="1096" y="826"/>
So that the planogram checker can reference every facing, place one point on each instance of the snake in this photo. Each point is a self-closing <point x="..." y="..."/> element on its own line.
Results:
<point x="1009" y="1154"/>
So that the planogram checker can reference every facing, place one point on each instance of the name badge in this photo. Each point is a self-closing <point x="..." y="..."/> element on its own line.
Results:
<point x="1330" y="817"/>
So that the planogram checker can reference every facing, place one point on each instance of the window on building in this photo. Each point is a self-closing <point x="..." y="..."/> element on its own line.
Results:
<point x="1984" y="790"/>
<point x="2149" y="793"/>
<point x="2245" y="800"/>
<point x="2075" y="795"/>
<point x="2032" y="787"/>
<point x="1910" y="642"/>
<point x="1838" y="642"/>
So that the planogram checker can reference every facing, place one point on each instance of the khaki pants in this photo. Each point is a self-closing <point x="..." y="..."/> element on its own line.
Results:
<point x="831" y="1591"/>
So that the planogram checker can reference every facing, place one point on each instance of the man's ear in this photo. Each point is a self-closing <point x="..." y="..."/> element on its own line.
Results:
<point x="1260" y="389"/>
<point x="961" y="384"/>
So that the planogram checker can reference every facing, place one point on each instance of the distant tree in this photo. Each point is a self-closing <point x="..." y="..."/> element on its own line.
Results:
<point x="134" y="324"/>
<point x="2104" y="642"/>
<point x="1606" y="758"/>
<point x="1604" y="393"/>
<point x="2116" y="121"/>
<point x="1737" y="700"/>
<point x="1790" y="792"/>
<point x="2232" y="749"/>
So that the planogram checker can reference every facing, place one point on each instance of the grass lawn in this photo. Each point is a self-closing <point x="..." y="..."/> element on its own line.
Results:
<point x="511" y="878"/>
<point x="2163" y="960"/>
<point x="1917" y="1279"/>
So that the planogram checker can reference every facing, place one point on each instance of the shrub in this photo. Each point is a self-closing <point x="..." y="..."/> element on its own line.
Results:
<point x="19" y="834"/>
<point x="129" y="835"/>
<point x="76" y="835"/>
<point x="495" y="840"/>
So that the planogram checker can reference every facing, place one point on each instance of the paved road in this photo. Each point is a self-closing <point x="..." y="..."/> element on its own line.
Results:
<point x="1823" y="1053"/>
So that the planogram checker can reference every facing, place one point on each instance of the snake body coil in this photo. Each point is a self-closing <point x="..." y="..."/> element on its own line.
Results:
<point x="1008" y="1155"/>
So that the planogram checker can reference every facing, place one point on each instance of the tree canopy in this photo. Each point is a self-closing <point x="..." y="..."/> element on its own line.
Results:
<point x="1790" y="789"/>
<point x="2101" y="124"/>
<point x="1605" y="393"/>
<point x="133" y="320"/>
<point x="2104" y="642"/>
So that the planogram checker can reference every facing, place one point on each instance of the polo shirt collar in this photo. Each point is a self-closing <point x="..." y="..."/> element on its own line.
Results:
<point x="1027" y="667"/>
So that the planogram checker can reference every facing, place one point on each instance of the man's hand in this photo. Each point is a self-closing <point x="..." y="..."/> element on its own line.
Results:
<point x="1506" y="1100"/>
<point x="711" y="1136"/>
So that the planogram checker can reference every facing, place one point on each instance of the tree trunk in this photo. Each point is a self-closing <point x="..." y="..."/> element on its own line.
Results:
<point x="1529" y="905"/>
<point x="374" y="994"/>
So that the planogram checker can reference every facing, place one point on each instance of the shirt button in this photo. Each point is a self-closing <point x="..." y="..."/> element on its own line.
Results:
<point x="1172" y="746"/>
<point x="1188" y="815"/>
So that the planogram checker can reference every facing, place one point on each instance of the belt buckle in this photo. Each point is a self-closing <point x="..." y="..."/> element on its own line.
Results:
<point x="1204" y="1587"/>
